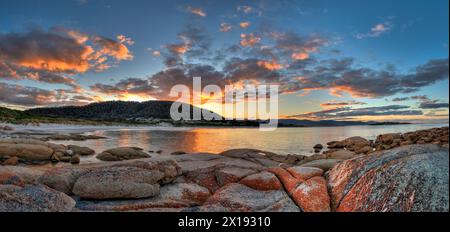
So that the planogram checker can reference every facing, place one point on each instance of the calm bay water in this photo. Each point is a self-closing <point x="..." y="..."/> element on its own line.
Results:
<point x="215" y="140"/>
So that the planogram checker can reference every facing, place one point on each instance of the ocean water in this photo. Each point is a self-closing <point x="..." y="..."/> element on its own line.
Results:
<point x="216" y="140"/>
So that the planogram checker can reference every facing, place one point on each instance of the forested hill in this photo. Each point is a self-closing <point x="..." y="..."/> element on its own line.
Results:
<point x="111" y="110"/>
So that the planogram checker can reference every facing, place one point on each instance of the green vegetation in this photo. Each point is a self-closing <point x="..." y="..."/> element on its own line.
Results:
<point x="21" y="117"/>
<point x="15" y="116"/>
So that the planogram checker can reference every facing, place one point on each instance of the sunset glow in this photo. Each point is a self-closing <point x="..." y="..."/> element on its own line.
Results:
<point x="321" y="55"/>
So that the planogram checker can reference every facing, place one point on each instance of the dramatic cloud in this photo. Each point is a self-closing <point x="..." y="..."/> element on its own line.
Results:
<point x="112" y="48"/>
<point x="427" y="103"/>
<point x="17" y="95"/>
<point x="283" y="58"/>
<point x="433" y="105"/>
<point x="424" y="102"/>
<point x="194" y="43"/>
<point x="26" y="96"/>
<point x="127" y="86"/>
<point x="339" y="76"/>
<point x="253" y="70"/>
<point x="419" y="98"/>
<point x="196" y="11"/>
<point x="54" y="56"/>
<point x="348" y="112"/>
<point x="400" y="99"/>
<point x="297" y="47"/>
<point x="160" y="84"/>
<point x="426" y="74"/>
<point x="342" y="103"/>
<point x="377" y="30"/>
<point x="46" y="51"/>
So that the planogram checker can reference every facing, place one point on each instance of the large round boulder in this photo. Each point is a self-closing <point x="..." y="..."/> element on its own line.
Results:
<point x="82" y="151"/>
<point x="323" y="164"/>
<point x="8" y="177"/>
<point x="33" y="198"/>
<point x="240" y="198"/>
<point x="26" y="151"/>
<point x="122" y="153"/>
<point x="408" y="178"/>
<point x="61" y="179"/>
<point x="31" y="149"/>
<point x="263" y="181"/>
<point x="117" y="182"/>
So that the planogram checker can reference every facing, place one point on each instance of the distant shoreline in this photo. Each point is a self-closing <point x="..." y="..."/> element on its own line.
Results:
<point x="187" y="126"/>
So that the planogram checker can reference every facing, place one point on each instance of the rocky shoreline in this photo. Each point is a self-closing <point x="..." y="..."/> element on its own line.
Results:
<point x="396" y="172"/>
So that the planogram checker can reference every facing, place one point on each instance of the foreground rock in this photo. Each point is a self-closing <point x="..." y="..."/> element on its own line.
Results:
<point x="6" y="128"/>
<point x="263" y="181"/>
<point x="340" y="154"/>
<point x="264" y="158"/>
<point x="32" y="198"/>
<point x="310" y="194"/>
<point x="122" y="153"/>
<point x="240" y="198"/>
<point x="360" y="146"/>
<point x="172" y="197"/>
<point x="228" y="175"/>
<point x="32" y="150"/>
<point x="324" y="164"/>
<point x="11" y="161"/>
<point x="437" y="136"/>
<point x="61" y="179"/>
<point x="118" y="182"/>
<point x="29" y="152"/>
<point x="305" y="173"/>
<point x="10" y="178"/>
<point x="405" y="179"/>
<point x="26" y="174"/>
<point x="409" y="178"/>
<point x="355" y="144"/>
<point x="82" y="151"/>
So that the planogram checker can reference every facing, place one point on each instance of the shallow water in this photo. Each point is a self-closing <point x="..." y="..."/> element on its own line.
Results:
<point x="215" y="140"/>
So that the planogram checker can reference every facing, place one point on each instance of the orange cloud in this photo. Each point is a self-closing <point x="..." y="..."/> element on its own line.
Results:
<point x="47" y="56"/>
<point x="270" y="65"/>
<point x="244" y="24"/>
<point x="334" y="103"/>
<point x="78" y="36"/>
<point x="178" y="48"/>
<point x="125" y="40"/>
<point x="300" y="56"/>
<point x="113" y="48"/>
<point x="249" y="40"/>
<point x="197" y="11"/>
<point x="54" y="65"/>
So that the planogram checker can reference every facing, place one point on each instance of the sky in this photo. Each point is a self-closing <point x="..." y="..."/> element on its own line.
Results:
<point x="342" y="60"/>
